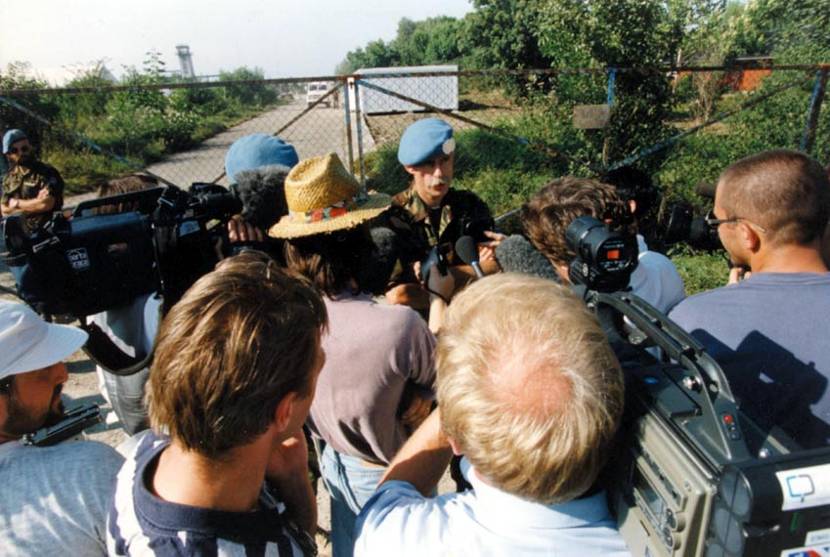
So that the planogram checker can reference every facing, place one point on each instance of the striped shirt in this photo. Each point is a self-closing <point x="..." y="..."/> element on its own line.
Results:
<point x="140" y="523"/>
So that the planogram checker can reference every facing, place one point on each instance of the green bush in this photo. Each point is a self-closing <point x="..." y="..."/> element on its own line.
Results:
<point x="701" y="271"/>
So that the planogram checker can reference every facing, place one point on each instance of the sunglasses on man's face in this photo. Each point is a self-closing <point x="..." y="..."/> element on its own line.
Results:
<point x="22" y="150"/>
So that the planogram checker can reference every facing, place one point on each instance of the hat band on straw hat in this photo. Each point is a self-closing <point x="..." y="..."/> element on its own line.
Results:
<point x="331" y="212"/>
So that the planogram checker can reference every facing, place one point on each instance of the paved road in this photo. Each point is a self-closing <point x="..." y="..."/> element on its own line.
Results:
<point x="320" y="131"/>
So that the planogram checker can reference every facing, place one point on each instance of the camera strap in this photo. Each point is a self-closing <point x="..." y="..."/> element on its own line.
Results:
<point x="104" y="352"/>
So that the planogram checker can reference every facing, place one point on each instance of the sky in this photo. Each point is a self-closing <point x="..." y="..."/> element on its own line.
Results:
<point x="285" y="38"/>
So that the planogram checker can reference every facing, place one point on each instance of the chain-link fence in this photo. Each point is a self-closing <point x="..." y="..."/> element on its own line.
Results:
<point x="515" y="128"/>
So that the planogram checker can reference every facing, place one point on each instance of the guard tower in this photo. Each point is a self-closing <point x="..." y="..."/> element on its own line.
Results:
<point x="185" y="61"/>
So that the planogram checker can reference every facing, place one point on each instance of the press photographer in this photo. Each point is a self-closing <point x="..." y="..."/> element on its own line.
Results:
<point x="547" y="215"/>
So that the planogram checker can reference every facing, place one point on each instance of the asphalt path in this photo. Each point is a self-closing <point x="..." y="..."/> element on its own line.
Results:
<point x="322" y="130"/>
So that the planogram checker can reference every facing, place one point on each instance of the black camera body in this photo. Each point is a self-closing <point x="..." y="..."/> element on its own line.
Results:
<point x="604" y="259"/>
<point x="94" y="262"/>
<point x="677" y="222"/>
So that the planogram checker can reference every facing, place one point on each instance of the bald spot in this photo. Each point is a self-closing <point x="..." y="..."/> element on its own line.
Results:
<point x="526" y="381"/>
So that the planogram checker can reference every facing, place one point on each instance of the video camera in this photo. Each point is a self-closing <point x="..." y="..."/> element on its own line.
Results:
<point x="693" y="475"/>
<point x="89" y="263"/>
<point x="677" y="222"/>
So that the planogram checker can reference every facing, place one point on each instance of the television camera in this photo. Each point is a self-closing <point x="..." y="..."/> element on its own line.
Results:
<point x="692" y="475"/>
<point x="159" y="240"/>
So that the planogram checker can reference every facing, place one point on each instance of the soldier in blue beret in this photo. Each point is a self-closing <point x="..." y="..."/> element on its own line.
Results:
<point x="430" y="211"/>
<point x="31" y="188"/>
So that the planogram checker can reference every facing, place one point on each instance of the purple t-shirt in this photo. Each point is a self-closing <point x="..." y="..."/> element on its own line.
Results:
<point x="769" y="333"/>
<point x="373" y="351"/>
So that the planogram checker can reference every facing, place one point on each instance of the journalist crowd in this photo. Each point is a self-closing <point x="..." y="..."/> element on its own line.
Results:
<point x="373" y="342"/>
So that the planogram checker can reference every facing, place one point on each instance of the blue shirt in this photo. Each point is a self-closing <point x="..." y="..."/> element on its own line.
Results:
<point x="140" y="523"/>
<point x="399" y="521"/>
<point x="769" y="333"/>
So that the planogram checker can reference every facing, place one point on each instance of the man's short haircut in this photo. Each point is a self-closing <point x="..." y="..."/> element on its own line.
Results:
<point x="240" y="339"/>
<point x="547" y="215"/>
<point x="528" y="386"/>
<point x="783" y="191"/>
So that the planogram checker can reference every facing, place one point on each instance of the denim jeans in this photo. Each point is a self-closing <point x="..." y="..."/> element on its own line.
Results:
<point x="350" y="483"/>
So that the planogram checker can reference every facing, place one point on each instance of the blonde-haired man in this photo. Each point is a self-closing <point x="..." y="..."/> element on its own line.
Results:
<point x="531" y="393"/>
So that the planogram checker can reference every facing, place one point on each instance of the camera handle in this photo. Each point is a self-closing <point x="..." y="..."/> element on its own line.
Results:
<point x="103" y="351"/>
<point x="704" y="381"/>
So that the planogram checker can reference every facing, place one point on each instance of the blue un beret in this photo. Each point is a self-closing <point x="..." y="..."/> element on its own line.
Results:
<point x="425" y="140"/>
<point x="256" y="150"/>
<point x="11" y="137"/>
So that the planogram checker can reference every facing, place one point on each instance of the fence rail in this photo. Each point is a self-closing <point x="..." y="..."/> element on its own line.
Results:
<point x="180" y="131"/>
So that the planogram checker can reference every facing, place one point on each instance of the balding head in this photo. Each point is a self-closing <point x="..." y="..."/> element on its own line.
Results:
<point x="785" y="192"/>
<point x="529" y="388"/>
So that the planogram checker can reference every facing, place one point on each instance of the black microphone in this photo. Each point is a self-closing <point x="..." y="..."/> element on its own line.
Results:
<point x="515" y="254"/>
<point x="378" y="261"/>
<point x="465" y="248"/>
<point x="262" y="193"/>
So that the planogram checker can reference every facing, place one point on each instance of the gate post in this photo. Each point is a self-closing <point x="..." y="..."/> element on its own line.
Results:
<point x="809" y="136"/>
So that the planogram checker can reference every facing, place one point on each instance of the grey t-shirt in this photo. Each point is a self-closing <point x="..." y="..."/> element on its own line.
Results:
<point x="54" y="500"/>
<point x="769" y="333"/>
<point x="373" y="353"/>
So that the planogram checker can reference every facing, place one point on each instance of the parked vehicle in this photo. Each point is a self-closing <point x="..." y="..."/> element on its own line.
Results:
<point x="317" y="89"/>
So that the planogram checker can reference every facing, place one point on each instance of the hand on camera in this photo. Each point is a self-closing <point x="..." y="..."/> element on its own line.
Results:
<point x="241" y="231"/>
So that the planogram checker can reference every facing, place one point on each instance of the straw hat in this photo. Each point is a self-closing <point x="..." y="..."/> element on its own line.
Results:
<point x="323" y="197"/>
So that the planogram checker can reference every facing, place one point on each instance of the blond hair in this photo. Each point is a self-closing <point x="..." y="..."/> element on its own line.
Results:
<point x="240" y="339"/>
<point x="528" y="386"/>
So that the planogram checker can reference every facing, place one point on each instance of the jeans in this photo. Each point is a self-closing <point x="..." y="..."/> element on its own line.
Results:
<point x="350" y="483"/>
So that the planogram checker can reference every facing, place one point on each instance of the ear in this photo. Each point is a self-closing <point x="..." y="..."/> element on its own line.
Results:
<point x="632" y="206"/>
<point x="409" y="168"/>
<point x="562" y="270"/>
<point x="284" y="411"/>
<point x="456" y="449"/>
<point x="749" y="237"/>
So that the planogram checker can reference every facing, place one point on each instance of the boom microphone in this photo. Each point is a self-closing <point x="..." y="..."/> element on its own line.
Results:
<point x="515" y="254"/>
<point x="465" y="248"/>
<point x="377" y="264"/>
<point x="262" y="193"/>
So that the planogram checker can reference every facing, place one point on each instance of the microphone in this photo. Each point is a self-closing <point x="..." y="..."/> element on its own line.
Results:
<point x="465" y="248"/>
<point x="378" y="261"/>
<point x="516" y="254"/>
<point x="262" y="193"/>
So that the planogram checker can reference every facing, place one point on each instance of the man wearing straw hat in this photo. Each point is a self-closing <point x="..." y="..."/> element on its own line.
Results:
<point x="377" y="355"/>
<point x="433" y="213"/>
<point x="54" y="499"/>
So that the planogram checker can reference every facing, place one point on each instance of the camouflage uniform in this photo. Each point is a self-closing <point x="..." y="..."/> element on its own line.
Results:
<point x="417" y="234"/>
<point x="25" y="182"/>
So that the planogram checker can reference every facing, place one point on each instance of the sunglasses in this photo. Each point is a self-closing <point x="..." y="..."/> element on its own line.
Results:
<point x="713" y="222"/>
<point x="22" y="150"/>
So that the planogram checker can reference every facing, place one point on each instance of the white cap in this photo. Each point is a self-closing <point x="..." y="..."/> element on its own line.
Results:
<point x="28" y="343"/>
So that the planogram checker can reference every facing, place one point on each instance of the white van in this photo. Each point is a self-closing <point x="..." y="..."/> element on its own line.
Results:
<point x="317" y="89"/>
